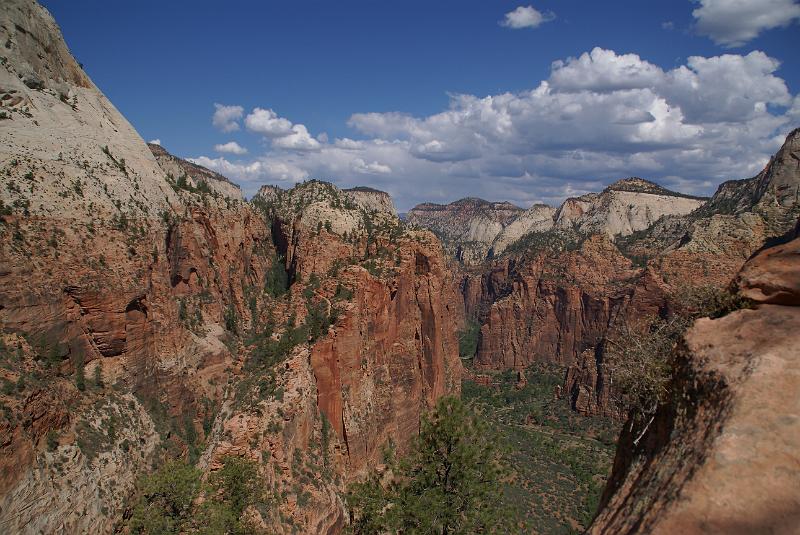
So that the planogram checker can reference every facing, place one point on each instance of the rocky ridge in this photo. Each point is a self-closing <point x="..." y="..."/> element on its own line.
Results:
<point x="466" y="227"/>
<point x="185" y="174"/>
<point x="475" y="230"/>
<point x="372" y="200"/>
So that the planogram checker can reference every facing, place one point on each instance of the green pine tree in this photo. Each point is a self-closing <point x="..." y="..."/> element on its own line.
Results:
<point x="450" y="483"/>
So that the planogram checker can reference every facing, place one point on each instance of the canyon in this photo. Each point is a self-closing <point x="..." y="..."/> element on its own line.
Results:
<point x="149" y="312"/>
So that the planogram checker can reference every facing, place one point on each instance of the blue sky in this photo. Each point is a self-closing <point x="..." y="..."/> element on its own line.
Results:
<point x="440" y="100"/>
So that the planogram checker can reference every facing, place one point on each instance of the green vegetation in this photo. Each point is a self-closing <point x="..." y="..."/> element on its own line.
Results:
<point x="119" y="164"/>
<point x="451" y="482"/>
<point x="80" y="378"/>
<point x="560" y="459"/>
<point x="231" y="319"/>
<point x="468" y="339"/>
<point x="97" y="432"/>
<point x="167" y="499"/>
<point x="639" y="356"/>
<point x="552" y="241"/>
<point x="276" y="281"/>
<point x="343" y="293"/>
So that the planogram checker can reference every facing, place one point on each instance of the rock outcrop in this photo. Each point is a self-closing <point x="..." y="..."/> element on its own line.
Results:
<point x="624" y="207"/>
<point x="66" y="151"/>
<point x="186" y="174"/>
<point x="537" y="218"/>
<point x="372" y="200"/>
<point x="721" y="455"/>
<point x="467" y="227"/>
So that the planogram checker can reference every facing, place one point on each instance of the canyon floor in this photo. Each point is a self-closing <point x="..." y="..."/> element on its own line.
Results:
<point x="560" y="460"/>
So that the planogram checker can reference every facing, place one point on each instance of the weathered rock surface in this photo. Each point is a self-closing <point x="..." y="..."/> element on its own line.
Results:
<point x="372" y="200"/>
<point x="626" y="206"/>
<point x="194" y="175"/>
<point x="722" y="455"/>
<point x="67" y="151"/>
<point x="553" y="306"/>
<point x="392" y="355"/>
<point x="537" y="218"/>
<point x="467" y="227"/>
<point x="773" y="276"/>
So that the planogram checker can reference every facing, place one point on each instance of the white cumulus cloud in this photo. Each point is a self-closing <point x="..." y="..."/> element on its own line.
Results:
<point x="733" y="23"/>
<point x="231" y="147"/>
<point x="226" y="118"/>
<point x="526" y="17"/>
<point x="267" y="122"/>
<point x="155" y="141"/>
<point x="298" y="139"/>
<point x="595" y="118"/>
<point x="360" y="166"/>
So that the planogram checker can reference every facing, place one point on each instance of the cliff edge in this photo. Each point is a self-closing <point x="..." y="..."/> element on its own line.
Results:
<point x="723" y="456"/>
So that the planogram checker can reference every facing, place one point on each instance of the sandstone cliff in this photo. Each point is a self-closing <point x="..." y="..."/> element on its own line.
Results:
<point x="66" y="151"/>
<point x="624" y="207"/>
<point x="467" y="227"/>
<point x="557" y="305"/>
<point x="721" y="454"/>
<point x="372" y="200"/>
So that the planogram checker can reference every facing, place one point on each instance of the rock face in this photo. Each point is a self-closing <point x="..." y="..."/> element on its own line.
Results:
<point x="68" y="151"/>
<point x="372" y="200"/>
<point x="268" y="193"/>
<point x="466" y="227"/>
<point x="722" y="455"/>
<point x="393" y="351"/>
<point x="626" y="206"/>
<point x="134" y="309"/>
<point x="192" y="175"/>
<point x="537" y="218"/>
<point x="559" y="307"/>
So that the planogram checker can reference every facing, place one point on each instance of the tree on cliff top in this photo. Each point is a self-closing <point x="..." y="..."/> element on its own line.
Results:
<point x="639" y="356"/>
<point x="451" y="482"/>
